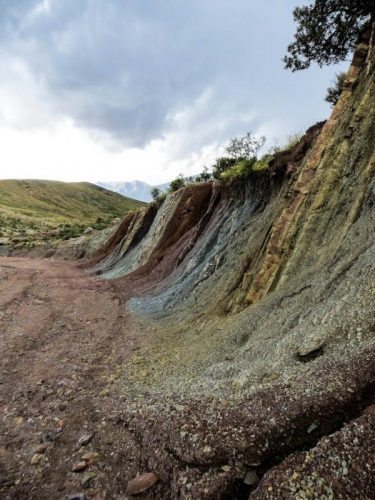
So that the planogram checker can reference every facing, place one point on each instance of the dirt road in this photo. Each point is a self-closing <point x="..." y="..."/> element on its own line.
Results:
<point x="63" y="337"/>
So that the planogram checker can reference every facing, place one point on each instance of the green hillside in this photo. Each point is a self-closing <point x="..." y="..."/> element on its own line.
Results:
<point x="34" y="213"/>
<point x="60" y="202"/>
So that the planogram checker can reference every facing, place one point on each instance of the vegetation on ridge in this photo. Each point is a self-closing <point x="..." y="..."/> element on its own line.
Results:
<point x="334" y="92"/>
<point x="327" y="31"/>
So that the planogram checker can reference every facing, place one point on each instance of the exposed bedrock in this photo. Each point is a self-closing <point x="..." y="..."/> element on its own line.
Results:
<point x="259" y="302"/>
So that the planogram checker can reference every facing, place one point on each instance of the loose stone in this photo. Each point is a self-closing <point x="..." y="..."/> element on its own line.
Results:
<point x="79" y="466"/>
<point x="141" y="483"/>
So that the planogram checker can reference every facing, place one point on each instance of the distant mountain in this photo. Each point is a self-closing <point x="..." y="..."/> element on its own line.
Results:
<point x="137" y="190"/>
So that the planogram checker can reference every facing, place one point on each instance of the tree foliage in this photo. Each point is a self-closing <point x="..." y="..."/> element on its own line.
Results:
<point x="327" y="31"/>
<point x="334" y="92"/>
<point x="155" y="193"/>
<point x="244" y="148"/>
<point x="177" y="183"/>
<point x="204" y="176"/>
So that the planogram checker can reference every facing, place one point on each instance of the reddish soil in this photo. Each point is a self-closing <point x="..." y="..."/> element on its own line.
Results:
<point x="62" y="337"/>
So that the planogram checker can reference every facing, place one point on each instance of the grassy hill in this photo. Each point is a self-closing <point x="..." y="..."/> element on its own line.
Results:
<point x="61" y="202"/>
<point x="34" y="212"/>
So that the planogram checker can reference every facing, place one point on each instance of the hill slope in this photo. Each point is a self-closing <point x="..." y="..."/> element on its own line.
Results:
<point x="55" y="201"/>
<point x="258" y="299"/>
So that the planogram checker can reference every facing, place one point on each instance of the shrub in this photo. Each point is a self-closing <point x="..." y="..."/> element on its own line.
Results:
<point x="177" y="183"/>
<point x="240" y="170"/>
<point x="292" y="140"/>
<point x="205" y="175"/>
<point x="334" y="92"/>
<point x="155" y="193"/>
<point x="262" y="164"/>
<point x="221" y="165"/>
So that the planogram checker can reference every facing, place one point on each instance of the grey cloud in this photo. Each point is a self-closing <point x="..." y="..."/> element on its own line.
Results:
<point x="124" y="68"/>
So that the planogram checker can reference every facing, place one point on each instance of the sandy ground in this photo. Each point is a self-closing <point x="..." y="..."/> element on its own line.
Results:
<point x="63" y="337"/>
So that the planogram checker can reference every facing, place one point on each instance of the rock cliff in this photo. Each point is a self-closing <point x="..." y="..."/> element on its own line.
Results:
<point x="259" y="302"/>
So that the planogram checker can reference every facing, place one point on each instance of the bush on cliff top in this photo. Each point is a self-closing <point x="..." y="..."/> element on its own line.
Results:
<point x="334" y="92"/>
<point x="240" y="169"/>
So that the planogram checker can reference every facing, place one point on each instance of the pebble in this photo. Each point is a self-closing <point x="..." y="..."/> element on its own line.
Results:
<point x="311" y="348"/>
<point x="85" y="439"/>
<point x="41" y="448"/>
<point x="251" y="478"/>
<point x="92" y="457"/>
<point x="76" y="496"/>
<point x="36" y="459"/>
<point x="141" y="483"/>
<point x="312" y="427"/>
<point x="79" y="466"/>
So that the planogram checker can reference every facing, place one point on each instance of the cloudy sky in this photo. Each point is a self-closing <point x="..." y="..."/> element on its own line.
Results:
<point x="145" y="89"/>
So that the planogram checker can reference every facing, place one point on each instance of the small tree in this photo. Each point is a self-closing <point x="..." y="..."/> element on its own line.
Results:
<point x="244" y="148"/>
<point x="334" y="92"/>
<point x="155" y="193"/>
<point x="177" y="183"/>
<point x="327" y="31"/>
<point x="205" y="175"/>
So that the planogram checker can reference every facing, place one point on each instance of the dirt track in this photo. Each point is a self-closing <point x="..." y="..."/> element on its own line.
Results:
<point x="63" y="335"/>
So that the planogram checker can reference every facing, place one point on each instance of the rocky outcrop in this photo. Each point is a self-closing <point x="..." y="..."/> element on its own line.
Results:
<point x="258" y="300"/>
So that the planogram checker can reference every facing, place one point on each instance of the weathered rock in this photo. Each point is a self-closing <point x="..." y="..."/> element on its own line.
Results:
<point x="91" y="457"/>
<point x="85" y="439"/>
<point x="36" y="458"/>
<point x="141" y="483"/>
<point x="79" y="466"/>
<point x="311" y="350"/>
<point x="41" y="448"/>
<point x="251" y="478"/>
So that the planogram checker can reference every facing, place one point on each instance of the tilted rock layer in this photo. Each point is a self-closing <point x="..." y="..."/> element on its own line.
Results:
<point x="259" y="302"/>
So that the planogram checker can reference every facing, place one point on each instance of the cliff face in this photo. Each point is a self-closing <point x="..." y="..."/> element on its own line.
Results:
<point x="259" y="297"/>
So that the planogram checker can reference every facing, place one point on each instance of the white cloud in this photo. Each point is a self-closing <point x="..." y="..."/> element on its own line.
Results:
<point x="95" y="90"/>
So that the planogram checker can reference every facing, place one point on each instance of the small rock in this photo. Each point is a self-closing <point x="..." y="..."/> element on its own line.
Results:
<point x="87" y="479"/>
<point x="79" y="466"/>
<point x="89" y="230"/>
<point x="36" y="459"/>
<point x="41" y="448"/>
<point x="141" y="483"/>
<point x="91" y="457"/>
<point x="311" y="350"/>
<point x="61" y="423"/>
<point x="76" y="496"/>
<point x="312" y="427"/>
<point x="85" y="439"/>
<point x="251" y="478"/>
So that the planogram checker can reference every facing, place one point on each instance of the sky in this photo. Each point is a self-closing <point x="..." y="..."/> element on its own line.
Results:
<point x="120" y="90"/>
